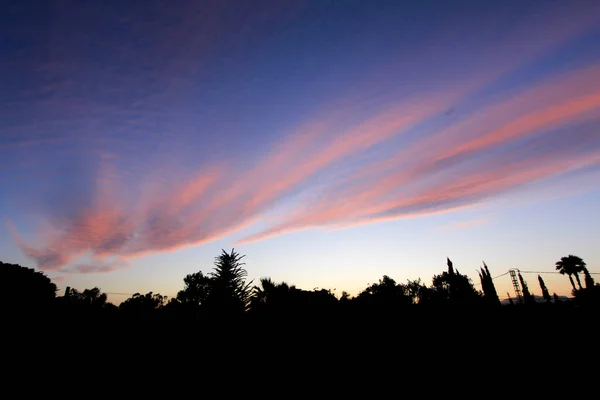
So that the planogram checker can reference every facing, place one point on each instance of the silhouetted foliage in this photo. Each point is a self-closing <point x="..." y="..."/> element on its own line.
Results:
<point x="283" y="300"/>
<point x="90" y="303"/>
<point x="454" y="288"/>
<point x="229" y="292"/>
<point x="588" y="296"/>
<point x="488" y="287"/>
<point x="545" y="292"/>
<point x="572" y="266"/>
<point x="418" y="292"/>
<point x="589" y="281"/>
<point x="196" y="290"/>
<point x="556" y="299"/>
<point x="143" y="303"/>
<point x="510" y="300"/>
<point x="385" y="293"/>
<point x="527" y="296"/>
<point x="225" y="294"/>
<point x="94" y="297"/>
<point x="22" y="287"/>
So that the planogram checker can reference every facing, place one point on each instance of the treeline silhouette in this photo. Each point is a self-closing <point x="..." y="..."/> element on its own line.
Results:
<point x="225" y="295"/>
<point x="222" y="314"/>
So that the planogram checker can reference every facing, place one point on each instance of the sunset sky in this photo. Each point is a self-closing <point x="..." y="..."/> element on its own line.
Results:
<point x="332" y="142"/>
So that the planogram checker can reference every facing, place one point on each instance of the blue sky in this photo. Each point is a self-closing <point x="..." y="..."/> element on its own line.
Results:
<point x="332" y="142"/>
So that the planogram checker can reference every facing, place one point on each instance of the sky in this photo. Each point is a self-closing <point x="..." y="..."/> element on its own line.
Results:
<point x="330" y="142"/>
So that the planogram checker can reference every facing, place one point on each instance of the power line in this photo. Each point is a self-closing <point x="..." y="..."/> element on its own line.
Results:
<point x="506" y="273"/>
<point x="121" y="294"/>
<point x="552" y="272"/>
<point x="534" y="272"/>
<point x="479" y="283"/>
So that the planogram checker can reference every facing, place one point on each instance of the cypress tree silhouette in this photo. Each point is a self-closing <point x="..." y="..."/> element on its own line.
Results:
<point x="527" y="297"/>
<point x="510" y="301"/>
<point x="545" y="292"/>
<point x="487" y="285"/>
<point x="589" y="281"/>
<point x="450" y="280"/>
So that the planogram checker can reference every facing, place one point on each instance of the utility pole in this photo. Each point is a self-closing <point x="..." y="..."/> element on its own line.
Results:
<point x="515" y="282"/>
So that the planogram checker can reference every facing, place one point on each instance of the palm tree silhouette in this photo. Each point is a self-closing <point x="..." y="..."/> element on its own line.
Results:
<point x="270" y="295"/>
<point x="571" y="265"/>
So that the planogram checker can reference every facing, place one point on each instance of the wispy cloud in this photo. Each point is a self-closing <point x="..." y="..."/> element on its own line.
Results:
<point x="472" y="166"/>
<point x="405" y="159"/>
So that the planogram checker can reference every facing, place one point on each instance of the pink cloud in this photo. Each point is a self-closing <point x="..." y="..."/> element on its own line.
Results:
<point x="361" y="198"/>
<point x="572" y="110"/>
<point x="462" y="192"/>
<point x="422" y="178"/>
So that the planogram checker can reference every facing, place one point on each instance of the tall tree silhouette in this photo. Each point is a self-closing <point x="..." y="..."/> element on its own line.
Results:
<point x="488" y="287"/>
<point x="545" y="292"/>
<point x="571" y="265"/>
<point x="589" y="281"/>
<point x="229" y="292"/>
<point x="527" y="296"/>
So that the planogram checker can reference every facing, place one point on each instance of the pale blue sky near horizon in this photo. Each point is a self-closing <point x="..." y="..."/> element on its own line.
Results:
<point x="330" y="142"/>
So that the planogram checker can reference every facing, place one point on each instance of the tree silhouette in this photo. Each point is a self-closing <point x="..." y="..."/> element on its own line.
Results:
<point x="345" y="297"/>
<point x="281" y="299"/>
<point x="488" y="287"/>
<point x="527" y="296"/>
<point x="90" y="303"/>
<point x="589" y="281"/>
<point x="229" y="293"/>
<point x="271" y="297"/>
<point x="385" y="293"/>
<point x="196" y="290"/>
<point x="143" y="303"/>
<point x="94" y="297"/>
<point x="510" y="300"/>
<point x="453" y="287"/>
<point x="417" y="291"/>
<point x="24" y="287"/>
<point x="545" y="292"/>
<point x="571" y="265"/>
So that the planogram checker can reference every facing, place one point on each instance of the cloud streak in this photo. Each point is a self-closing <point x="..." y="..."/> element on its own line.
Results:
<point x="341" y="167"/>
